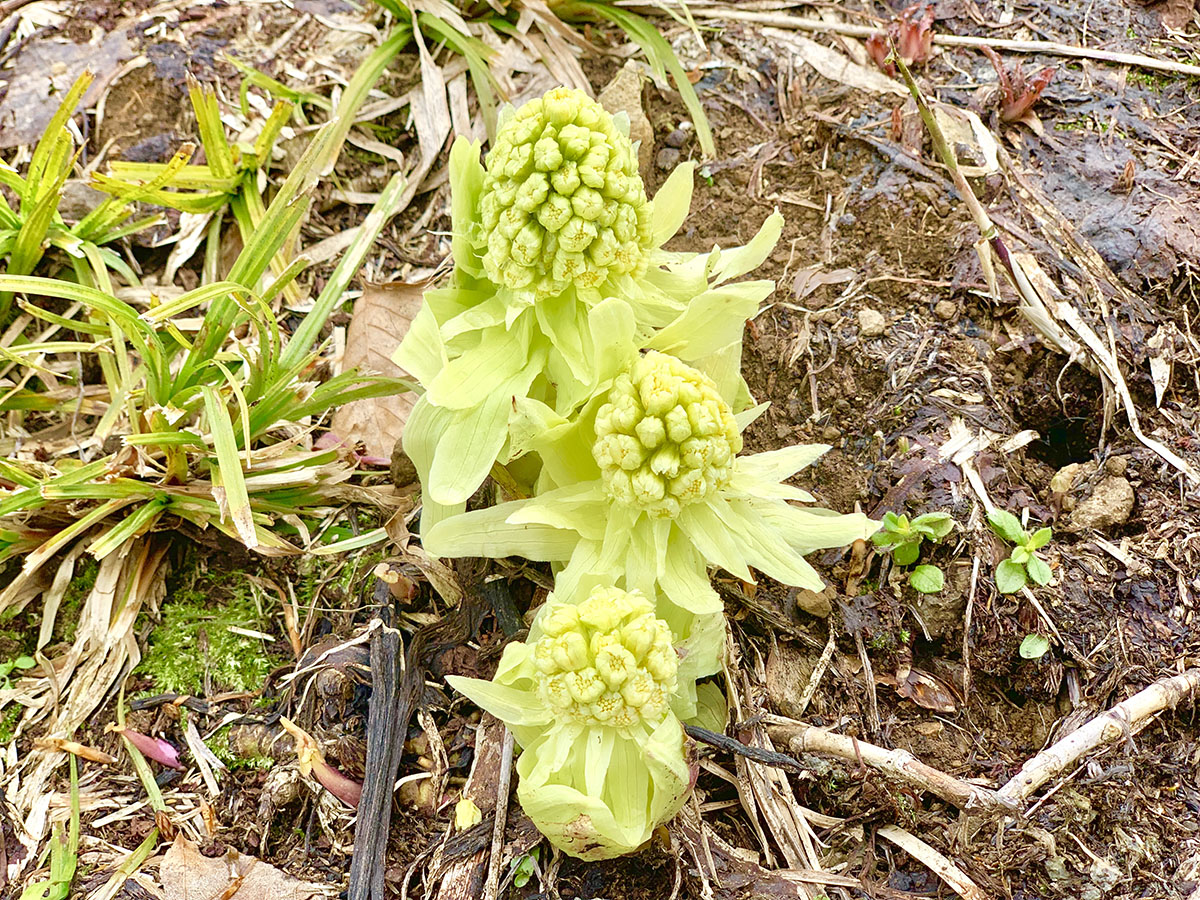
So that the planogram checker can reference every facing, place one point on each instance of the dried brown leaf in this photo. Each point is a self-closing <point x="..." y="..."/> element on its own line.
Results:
<point x="381" y="318"/>
<point x="187" y="874"/>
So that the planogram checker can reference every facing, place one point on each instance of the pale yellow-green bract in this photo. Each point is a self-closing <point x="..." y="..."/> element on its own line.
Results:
<point x="480" y="346"/>
<point x="589" y="698"/>
<point x="587" y="519"/>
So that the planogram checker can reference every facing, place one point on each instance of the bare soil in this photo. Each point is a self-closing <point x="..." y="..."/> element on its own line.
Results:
<point x="1123" y="603"/>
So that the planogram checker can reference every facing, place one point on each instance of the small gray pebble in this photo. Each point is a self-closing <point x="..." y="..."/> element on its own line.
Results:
<point x="676" y="138"/>
<point x="668" y="158"/>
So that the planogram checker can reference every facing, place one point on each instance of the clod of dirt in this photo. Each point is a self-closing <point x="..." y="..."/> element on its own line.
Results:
<point x="814" y="604"/>
<point x="667" y="158"/>
<point x="945" y="310"/>
<point x="1110" y="504"/>
<point x="42" y="74"/>
<point x="676" y="138"/>
<point x="403" y="472"/>
<point x="624" y="94"/>
<point x="789" y="669"/>
<point x="1065" y="479"/>
<point x="871" y="322"/>
<point x="942" y="613"/>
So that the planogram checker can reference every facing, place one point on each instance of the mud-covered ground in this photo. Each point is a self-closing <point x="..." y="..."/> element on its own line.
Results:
<point x="881" y="340"/>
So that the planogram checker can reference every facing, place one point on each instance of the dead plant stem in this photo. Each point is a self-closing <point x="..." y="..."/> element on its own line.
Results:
<point x="1052" y="48"/>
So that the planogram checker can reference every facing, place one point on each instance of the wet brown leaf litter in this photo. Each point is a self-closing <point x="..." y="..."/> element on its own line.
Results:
<point x="1017" y="332"/>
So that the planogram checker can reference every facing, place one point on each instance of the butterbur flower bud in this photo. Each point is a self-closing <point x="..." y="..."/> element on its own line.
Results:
<point x="617" y="665"/>
<point x="562" y="200"/>
<point x="589" y="697"/>
<point x="667" y="426"/>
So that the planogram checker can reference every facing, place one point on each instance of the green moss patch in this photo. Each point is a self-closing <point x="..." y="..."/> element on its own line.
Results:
<point x="195" y="638"/>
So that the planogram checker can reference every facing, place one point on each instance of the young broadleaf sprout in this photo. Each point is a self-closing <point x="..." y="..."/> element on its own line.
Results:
<point x="660" y="496"/>
<point x="588" y="696"/>
<point x="559" y="278"/>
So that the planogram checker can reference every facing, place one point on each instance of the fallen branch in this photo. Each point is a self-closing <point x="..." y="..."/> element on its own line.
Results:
<point x="801" y="738"/>
<point x="1124" y="719"/>
<point x="1053" y="48"/>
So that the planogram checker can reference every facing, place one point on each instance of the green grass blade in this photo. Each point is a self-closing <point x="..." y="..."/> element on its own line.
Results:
<point x="212" y="131"/>
<point x="475" y="53"/>
<point x="137" y="522"/>
<point x="661" y="58"/>
<point x="49" y="152"/>
<point x="228" y="472"/>
<point x="290" y="206"/>
<point x="301" y="342"/>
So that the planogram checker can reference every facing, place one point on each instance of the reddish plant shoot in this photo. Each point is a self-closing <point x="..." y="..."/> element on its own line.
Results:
<point x="911" y="32"/>
<point x="1017" y="96"/>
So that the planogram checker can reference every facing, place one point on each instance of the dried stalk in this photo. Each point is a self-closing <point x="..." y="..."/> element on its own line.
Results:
<point x="491" y="888"/>
<point x="955" y="877"/>
<point x="802" y="738"/>
<point x="1053" y="48"/>
<point x="1123" y="720"/>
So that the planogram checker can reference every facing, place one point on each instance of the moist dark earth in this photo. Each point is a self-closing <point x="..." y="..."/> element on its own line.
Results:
<point x="881" y="340"/>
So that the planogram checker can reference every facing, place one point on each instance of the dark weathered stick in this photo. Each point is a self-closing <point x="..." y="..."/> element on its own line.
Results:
<point x="397" y="682"/>
<point x="385" y="742"/>
<point x="732" y="745"/>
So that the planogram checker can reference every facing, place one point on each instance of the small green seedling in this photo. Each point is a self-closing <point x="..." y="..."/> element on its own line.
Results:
<point x="903" y="538"/>
<point x="21" y="662"/>
<point x="1035" y="646"/>
<point x="525" y="868"/>
<point x="1011" y="574"/>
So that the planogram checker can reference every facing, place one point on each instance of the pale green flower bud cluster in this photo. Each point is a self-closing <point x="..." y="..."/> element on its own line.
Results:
<point x="607" y="661"/>
<point x="627" y="459"/>
<point x="562" y="200"/>
<point x="665" y="438"/>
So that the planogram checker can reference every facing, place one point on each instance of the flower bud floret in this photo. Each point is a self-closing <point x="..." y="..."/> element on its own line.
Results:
<point x="562" y="200"/>
<point x="608" y="661"/>
<point x="665" y="437"/>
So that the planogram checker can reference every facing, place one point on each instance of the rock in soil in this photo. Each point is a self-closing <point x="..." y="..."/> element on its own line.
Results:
<point x="871" y="322"/>
<point x="624" y="94"/>
<point x="667" y="159"/>
<point x="1110" y="504"/>
<point x="814" y="604"/>
<point x="945" y="310"/>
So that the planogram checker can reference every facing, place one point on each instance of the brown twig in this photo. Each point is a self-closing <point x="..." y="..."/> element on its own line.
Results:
<point x="1052" y="48"/>
<point x="503" y="785"/>
<point x="1123" y="719"/>
<point x="801" y="738"/>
